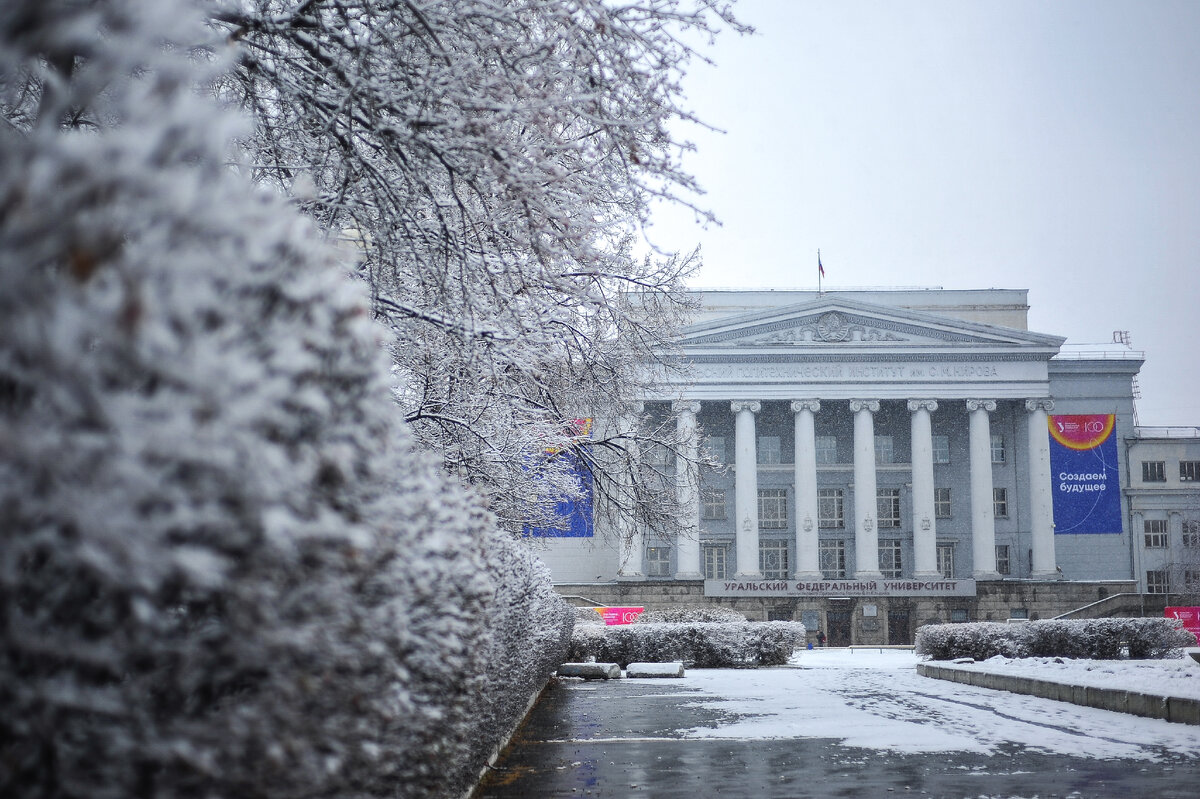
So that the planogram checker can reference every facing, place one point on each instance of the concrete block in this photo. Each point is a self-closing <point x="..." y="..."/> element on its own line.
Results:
<point x="1182" y="710"/>
<point x="590" y="671"/>
<point x="638" y="670"/>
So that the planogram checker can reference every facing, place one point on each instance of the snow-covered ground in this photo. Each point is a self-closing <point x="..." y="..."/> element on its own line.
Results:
<point x="1174" y="677"/>
<point x="877" y="700"/>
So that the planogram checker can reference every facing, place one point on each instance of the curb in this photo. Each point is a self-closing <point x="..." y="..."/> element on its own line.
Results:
<point x="1178" y="709"/>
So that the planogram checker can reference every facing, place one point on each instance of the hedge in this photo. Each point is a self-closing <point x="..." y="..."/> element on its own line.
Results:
<point x="703" y="645"/>
<point x="1097" y="639"/>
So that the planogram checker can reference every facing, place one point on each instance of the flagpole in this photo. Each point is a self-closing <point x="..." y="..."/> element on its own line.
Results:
<point x="820" y="271"/>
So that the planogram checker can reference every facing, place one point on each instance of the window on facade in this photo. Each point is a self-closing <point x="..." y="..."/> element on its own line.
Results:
<point x="773" y="559"/>
<point x="658" y="561"/>
<point x="941" y="449"/>
<point x="658" y="455"/>
<point x="1191" y="580"/>
<point x="827" y="449"/>
<point x="715" y="445"/>
<point x="945" y="560"/>
<point x="1003" y="563"/>
<point x="1189" y="471"/>
<point x="1154" y="471"/>
<point x="941" y="503"/>
<point x="768" y="449"/>
<point x="1000" y="503"/>
<point x="772" y="509"/>
<point x="832" y="555"/>
<point x="885" y="451"/>
<point x="958" y="615"/>
<point x="1018" y="613"/>
<point x="1156" y="582"/>
<point x="714" y="503"/>
<point x="887" y="504"/>
<point x="1156" y="533"/>
<point x="998" y="453"/>
<point x="1191" y="533"/>
<point x="889" y="558"/>
<point x="831" y="508"/>
<point x="716" y="558"/>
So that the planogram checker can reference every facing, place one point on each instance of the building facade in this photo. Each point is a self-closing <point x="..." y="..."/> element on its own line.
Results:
<point x="874" y="460"/>
<point x="1164" y="499"/>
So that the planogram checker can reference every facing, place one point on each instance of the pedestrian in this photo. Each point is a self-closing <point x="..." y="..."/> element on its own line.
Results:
<point x="820" y="638"/>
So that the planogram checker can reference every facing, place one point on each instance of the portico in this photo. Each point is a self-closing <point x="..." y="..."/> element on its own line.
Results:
<point x="856" y="395"/>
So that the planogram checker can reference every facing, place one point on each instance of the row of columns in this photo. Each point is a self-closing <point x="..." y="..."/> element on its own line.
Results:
<point x="866" y="537"/>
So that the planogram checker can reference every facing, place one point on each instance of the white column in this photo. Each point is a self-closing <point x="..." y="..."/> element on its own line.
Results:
<point x="924" y="513"/>
<point x="687" y="486"/>
<point x="807" y="512"/>
<point x="633" y="538"/>
<point x="866" y="501"/>
<point x="745" y="489"/>
<point x="983" y="517"/>
<point x="1040" y="497"/>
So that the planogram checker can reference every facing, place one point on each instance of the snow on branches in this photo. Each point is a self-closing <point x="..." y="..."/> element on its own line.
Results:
<point x="492" y="159"/>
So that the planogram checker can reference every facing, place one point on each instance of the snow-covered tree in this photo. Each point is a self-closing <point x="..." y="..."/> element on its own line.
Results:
<point x="225" y="570"/>
<point x="493" y="160"/>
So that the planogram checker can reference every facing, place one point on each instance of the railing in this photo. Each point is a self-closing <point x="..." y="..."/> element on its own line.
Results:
<point x="1098" y="609"/>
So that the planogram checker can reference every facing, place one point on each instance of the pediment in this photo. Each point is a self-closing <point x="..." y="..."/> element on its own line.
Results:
<point x="830" y="324"/>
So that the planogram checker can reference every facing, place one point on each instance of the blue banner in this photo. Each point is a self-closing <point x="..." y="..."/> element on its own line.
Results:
<point x="576" y="515"/>
<point x="1085" y="482"/>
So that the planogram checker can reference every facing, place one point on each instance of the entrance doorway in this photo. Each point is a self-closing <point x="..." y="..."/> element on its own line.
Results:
<point x="838" y="622"/>
<point x="898" y="629"/>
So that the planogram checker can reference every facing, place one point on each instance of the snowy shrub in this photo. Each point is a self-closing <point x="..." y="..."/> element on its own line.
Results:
<point x="691" y="613"/>
<point x="1097" y="639"/>
<point x="588" y="615"/>
<point x="703" y="645"/>
<point x="224" y="569"/>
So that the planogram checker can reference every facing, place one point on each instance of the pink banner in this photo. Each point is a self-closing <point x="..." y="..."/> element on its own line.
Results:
<point x="1190" y="618"/>
<point x="619" y="615"/>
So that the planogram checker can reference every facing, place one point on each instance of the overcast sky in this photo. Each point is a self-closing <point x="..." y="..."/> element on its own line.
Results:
<point x="1052" y="146"/>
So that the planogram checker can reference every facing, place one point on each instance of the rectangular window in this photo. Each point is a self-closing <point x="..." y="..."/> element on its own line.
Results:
<point x="1191" y="580"/>
<point x="772" y="509"/>
<point x="941" y="449"/>
<point x="1154" y="471"/>
<point x="832" y="555"/>
<point x="889" y="558"/>
<point x="1189" y="471"/>
<point x="1156" y="533"/>
<point x="768" y="449"/>
<point x="1191" y="533"/>
<point x="658" y="561"/>
<point x="885" y="451"/>
<point x="887" y="503"/>
<point x="1003" y="564"/>
<point x="831" y="508"/>
<point x="1018" y="613"/>
<point x="827" y="450"/>
<point x="715" y="559"/>
<point x="945" y="560"/>
<point x="998" y="453"/>
<point x="773" y="559"/>
<point x="714" y="503"/>
<point x="941" y="503"/>
<point x="958" y="615"/>
<point x="658" y="455"/>
<point x="1000" y="503"/>
<point x="1156" y="582"/>
<point x="715" y="445"/>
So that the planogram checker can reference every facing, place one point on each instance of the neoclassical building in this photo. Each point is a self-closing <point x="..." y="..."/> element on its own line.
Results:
<point x="880" y="459"/>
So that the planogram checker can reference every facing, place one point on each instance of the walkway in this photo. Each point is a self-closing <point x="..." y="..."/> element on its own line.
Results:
<point x="838" y="724"/>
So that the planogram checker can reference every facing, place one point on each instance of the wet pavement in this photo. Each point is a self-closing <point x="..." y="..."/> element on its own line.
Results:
<point x="627" y="738"/>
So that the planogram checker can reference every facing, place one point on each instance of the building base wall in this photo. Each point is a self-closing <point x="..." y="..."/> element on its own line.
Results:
<point x="879" y="620"/>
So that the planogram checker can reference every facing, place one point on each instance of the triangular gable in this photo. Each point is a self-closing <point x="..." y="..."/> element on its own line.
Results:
<point x="829" y="322"/>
